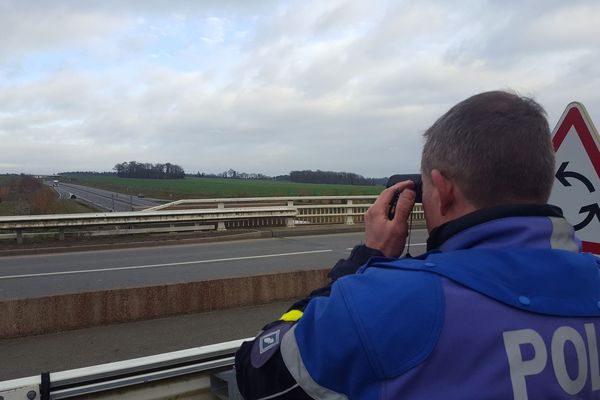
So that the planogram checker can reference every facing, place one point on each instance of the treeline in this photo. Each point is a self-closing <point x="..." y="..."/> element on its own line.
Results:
<point x="85" y="173"/>
<point x="307" y="176"/>
<point x="331" y="177"/>
<point x="233" y="174"/>
<point x="134" y="169"/>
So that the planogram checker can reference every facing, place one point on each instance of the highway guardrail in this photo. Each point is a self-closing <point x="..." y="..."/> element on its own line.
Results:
<point x="125" y="221"/>
<point x="311" y="209"/>
<point x="193" y="373"/>
<point x="205" y="214"/>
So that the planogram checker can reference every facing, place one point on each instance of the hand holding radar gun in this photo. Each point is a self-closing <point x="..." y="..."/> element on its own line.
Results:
<point x="417" y="188"/>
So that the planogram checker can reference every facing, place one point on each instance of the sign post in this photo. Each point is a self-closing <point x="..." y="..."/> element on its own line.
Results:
<point x="577" y="180"/>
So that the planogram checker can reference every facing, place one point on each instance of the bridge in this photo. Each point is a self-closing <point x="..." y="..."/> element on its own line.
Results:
<point x="199" y="372"/>
<point x="201" y="214"/>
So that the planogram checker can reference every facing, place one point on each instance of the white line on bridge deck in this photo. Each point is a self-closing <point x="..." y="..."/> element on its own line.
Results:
<point x="164" y="265"/>
<point x="412" y="244"/>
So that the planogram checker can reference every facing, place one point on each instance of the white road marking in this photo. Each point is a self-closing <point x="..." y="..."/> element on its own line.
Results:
<point x="412" y="244"/>
<point x="164" y="265"/>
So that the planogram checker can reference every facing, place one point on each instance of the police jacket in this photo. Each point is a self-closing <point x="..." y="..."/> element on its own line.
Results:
<point x="503" y="305"/>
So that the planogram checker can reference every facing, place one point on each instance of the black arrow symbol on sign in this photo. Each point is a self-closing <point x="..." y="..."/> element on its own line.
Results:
<point x="562" y="176"/>
<point x="593" y="210"/>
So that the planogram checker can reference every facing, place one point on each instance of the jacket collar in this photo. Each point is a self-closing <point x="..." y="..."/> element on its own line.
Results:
<point x="529" y="225"/>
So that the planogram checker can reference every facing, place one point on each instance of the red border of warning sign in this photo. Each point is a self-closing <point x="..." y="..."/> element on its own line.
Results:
<point x="576" y="116"/>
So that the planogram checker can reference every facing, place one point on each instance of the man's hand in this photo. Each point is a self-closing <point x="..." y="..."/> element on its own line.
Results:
<point x="383" y="234"/>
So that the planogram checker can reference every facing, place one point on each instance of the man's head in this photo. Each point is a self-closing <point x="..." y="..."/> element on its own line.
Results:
<point x="491" y="149"/>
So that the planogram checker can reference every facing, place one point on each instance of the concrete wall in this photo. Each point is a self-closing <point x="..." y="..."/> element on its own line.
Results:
<point x="35" y="316"/>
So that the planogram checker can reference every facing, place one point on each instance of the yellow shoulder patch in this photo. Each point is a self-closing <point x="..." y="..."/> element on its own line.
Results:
<point x="291" y="316"/>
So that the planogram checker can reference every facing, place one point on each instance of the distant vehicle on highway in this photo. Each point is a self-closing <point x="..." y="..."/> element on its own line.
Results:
<point x="55" y="182"/>
<point x="140" y="195"/>
<point x="72" y="196"/>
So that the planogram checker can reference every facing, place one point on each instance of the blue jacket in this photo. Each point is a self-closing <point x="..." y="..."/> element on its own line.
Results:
<point x="502" y="306"/>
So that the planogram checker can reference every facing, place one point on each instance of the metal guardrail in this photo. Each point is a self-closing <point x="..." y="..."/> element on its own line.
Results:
<point x="311" y="209"/>
<point x="221" y="213"/>
<point x="19" y="224"/>
<point x="290" y="200"/>
<point x="180" y="374"/>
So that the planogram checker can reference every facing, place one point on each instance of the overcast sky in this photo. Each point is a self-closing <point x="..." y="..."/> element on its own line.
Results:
<point x="272" y="86"/>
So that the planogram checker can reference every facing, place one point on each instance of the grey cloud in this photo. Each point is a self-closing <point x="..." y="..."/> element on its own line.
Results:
<point x="516" y="32"/>
<point x="341" y="16"/>
<point x="38" y="29"/>
<point x="338" y="87"/>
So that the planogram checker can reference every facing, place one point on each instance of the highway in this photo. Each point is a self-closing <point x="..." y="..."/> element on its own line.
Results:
<point x="49" y="274"/>
<point x="102" y="199"/>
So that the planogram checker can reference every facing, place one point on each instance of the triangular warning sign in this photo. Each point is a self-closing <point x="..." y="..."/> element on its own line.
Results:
<point x="577" y="180"/>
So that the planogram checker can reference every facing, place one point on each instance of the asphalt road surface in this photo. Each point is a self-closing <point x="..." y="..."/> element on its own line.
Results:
<point x="48" y="274"/>
<point x="103" y="199"/>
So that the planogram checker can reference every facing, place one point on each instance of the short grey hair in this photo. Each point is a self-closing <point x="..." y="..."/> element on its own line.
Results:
<point x="496" y="146"/>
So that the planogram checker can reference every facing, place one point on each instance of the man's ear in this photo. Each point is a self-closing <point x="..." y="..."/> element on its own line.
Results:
<point x="445" y="189"/>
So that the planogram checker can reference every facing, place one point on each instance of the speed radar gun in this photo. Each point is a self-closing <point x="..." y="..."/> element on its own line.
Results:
<point x="418" y="188"/>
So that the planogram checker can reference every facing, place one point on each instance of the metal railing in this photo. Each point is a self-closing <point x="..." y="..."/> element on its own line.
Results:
<point x="179" y="374"/>
<point x="202" y="214"/>
<point x="124" y="222"/>
<point x="311" y="209"/>
<point x="290" y="201"/>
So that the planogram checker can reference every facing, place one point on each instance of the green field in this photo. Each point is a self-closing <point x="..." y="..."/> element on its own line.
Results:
<point x="173" y="189"/>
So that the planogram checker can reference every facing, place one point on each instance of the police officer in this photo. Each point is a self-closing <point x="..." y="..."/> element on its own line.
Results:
<point x="503" y="304"/>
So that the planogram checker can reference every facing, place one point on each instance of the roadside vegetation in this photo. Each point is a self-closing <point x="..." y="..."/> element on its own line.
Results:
<point x="25" y="195"/>
<point x="194" y="187"/>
